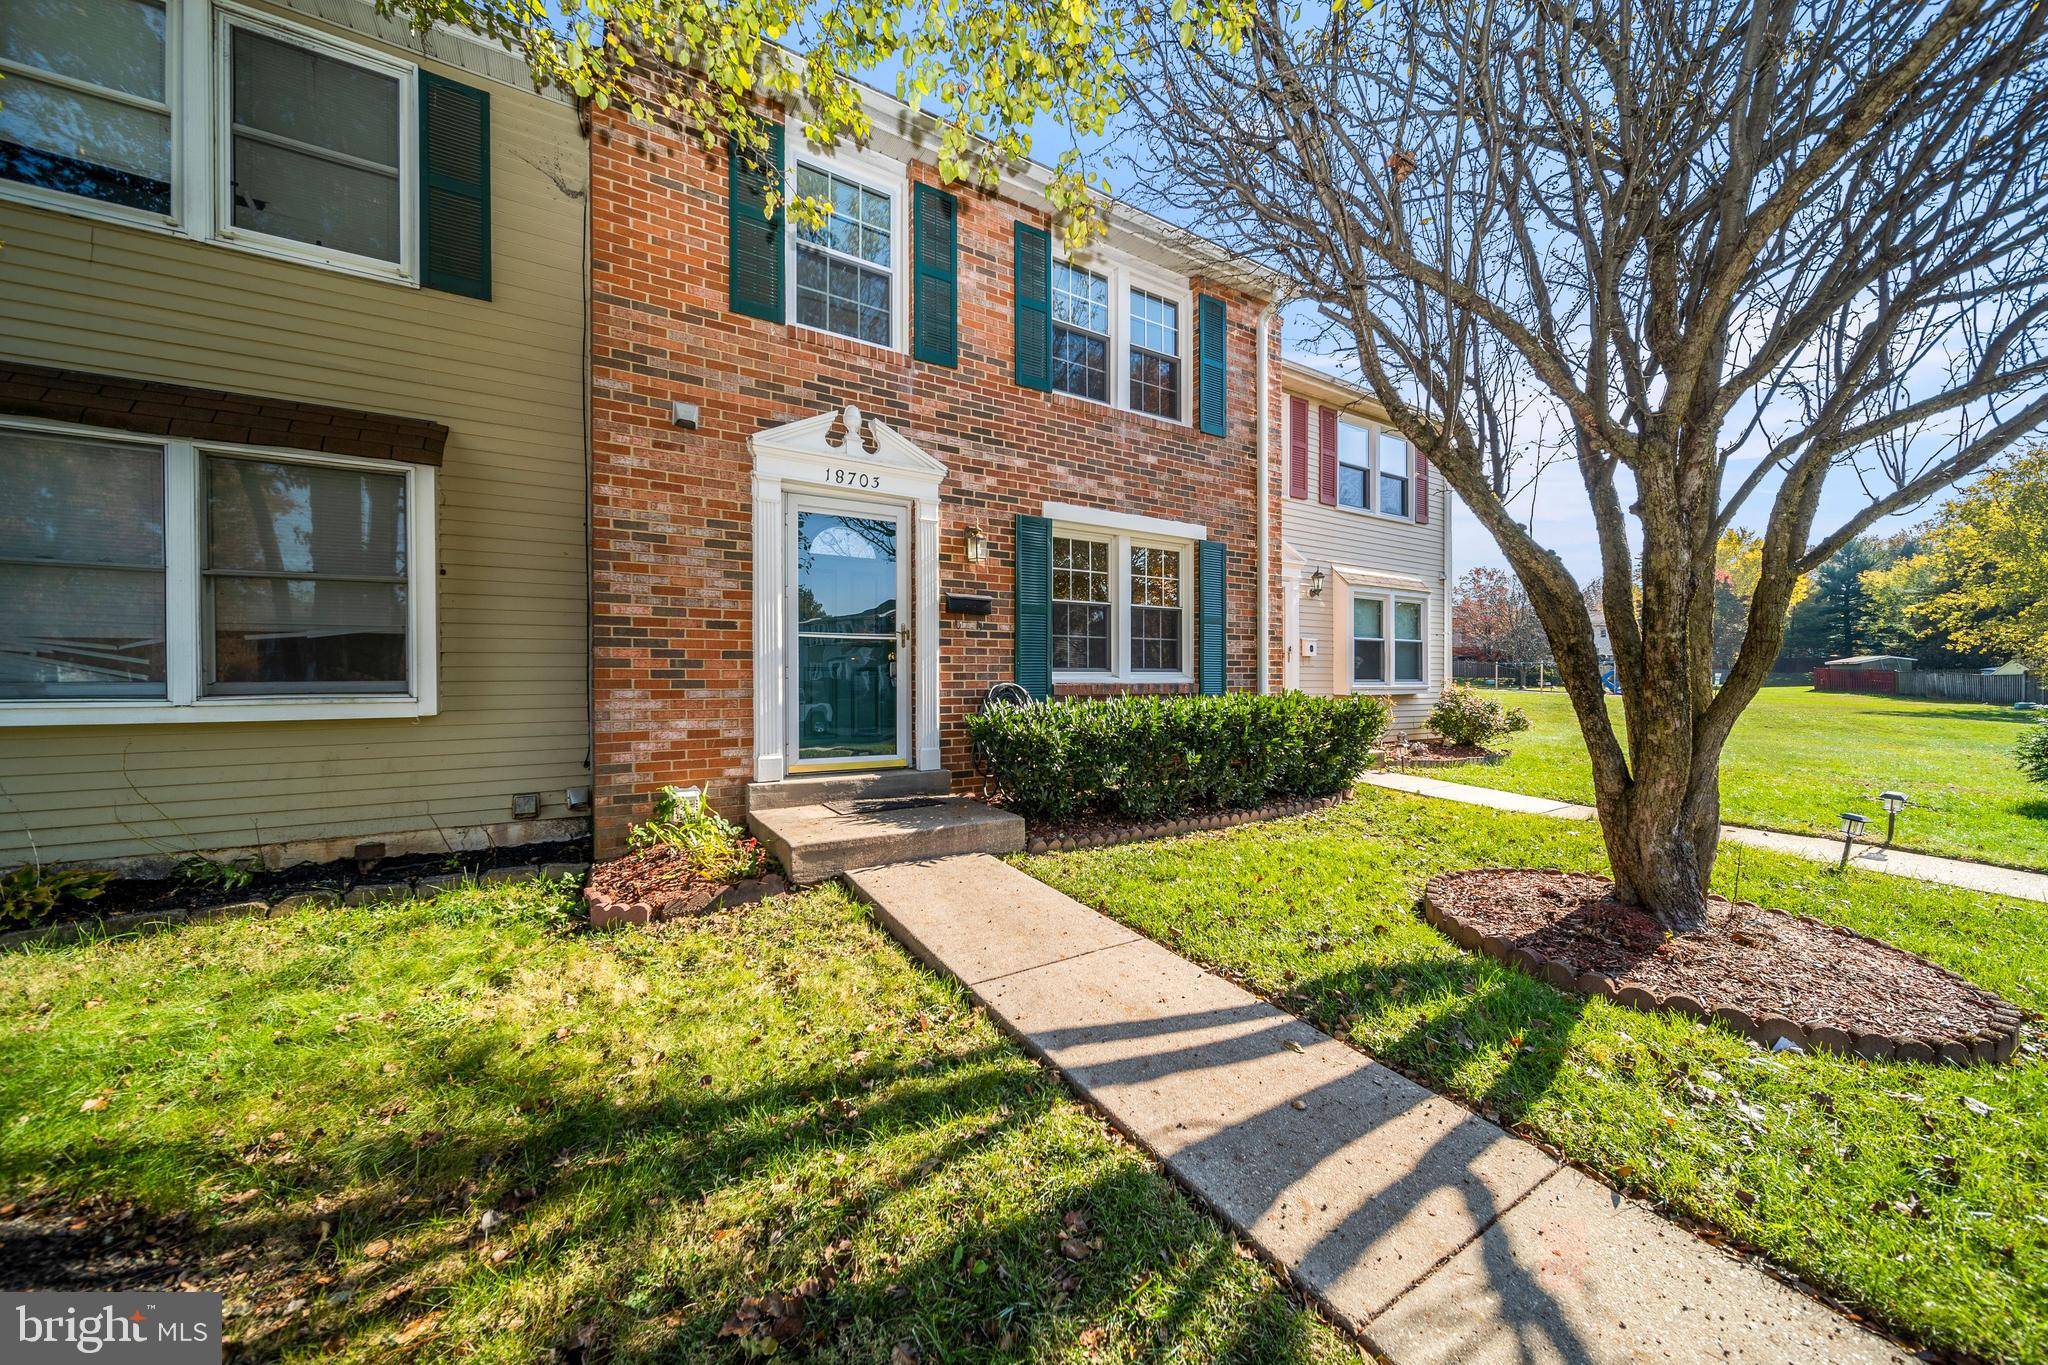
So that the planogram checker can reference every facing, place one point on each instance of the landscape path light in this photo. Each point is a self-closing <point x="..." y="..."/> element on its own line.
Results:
<point x="1852" y="825"/>
<point x="1894" y="802"/>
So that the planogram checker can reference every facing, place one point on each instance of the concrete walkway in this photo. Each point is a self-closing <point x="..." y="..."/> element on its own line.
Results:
<point x="1925" y="867"/>
<point x="1432" y="1233"/>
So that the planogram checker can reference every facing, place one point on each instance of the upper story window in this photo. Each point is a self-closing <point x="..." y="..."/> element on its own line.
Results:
<point x="1080" y="332"/>
<point x="1354" y="464"/>
<point x="1155" y="354"/>
<point x="1394" y="474"/>
<point x="315" y="150"/>
<point x="845" y="266"/>
<point x="86" y="110"/>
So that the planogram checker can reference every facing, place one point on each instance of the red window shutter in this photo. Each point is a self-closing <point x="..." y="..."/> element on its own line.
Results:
<point x="1329" y="464"/>
<point x="1297" y="446"/>
<point x="1421" y="490"/>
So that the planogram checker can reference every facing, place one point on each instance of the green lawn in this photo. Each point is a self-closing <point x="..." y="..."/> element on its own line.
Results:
<point x="1799" y="758"/>
<point x="1918" y="1192"/>
<point x="668" y="1124"/>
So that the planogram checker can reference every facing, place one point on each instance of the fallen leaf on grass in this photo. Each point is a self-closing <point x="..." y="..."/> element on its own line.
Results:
<point x="97" y="1102"/>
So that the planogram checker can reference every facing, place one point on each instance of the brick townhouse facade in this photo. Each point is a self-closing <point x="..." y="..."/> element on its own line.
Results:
<point x="1009" y="485"/>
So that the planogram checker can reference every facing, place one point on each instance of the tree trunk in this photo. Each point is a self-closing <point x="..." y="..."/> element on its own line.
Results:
<point x="1662" y="832"/>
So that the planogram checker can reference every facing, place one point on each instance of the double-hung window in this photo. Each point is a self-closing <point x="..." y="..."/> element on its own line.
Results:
<point x="1354" y="464"/>
<point x="315" y="145"/>
<point x="1080" y="332"/>
<point x="1394" y="474"/>
<point x="1155" y="354"/>
<point x="175" y="581"/>
<point x="1387" y="641"/>
<point x="845" y="265"/>
<point x="1120" y="606"/>
<point x="86" y="107"/>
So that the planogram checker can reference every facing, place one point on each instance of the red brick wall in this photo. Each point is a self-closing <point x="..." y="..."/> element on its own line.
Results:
<point x="671" y="513"/>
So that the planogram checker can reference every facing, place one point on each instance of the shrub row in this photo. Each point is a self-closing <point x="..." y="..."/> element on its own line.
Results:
<point x="1143" y="758"/>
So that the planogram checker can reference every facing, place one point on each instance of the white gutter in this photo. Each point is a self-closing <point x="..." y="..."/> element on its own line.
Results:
<point x="1265" y="499"/>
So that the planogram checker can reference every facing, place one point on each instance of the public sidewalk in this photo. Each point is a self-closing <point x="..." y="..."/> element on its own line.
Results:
<point x="1432" y="1233"/>
<point x="1925" y="867"/>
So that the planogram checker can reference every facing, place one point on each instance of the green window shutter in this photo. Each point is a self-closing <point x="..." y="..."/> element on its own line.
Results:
<point x="1209" y="327"/>
<point x="1209" y="602"/>
<point x="455" y="187"/>
<point x="754" y="240"/>
<point x="1034" y="606"/>
<point x="936" y="215"/>
<point x="1034" y="308"/>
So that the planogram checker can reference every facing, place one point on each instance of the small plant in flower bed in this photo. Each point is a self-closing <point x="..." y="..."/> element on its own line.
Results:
<point x="1462" y="716"/>
<point x="2032" y="753"/>
<point x="1145" y="758"/>
<point x="717" y="849"/>
<point x="31" y="893"/>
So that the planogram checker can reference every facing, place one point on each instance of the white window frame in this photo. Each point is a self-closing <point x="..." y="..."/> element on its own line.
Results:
<point x="175" y="40"/>
<point x="1181" y="320"/>
<point x="1370" y="468"/>
<point x="1373" y="433"/>
<point x="227" y="19"/>
<point x="185" y="700"/>
<point x="198" y="85"/>
<point x="1123" y="533"/>
<point x="1109" y="351"/>
<point x="1124" y="273"/>
<point x="872" y="171"/>
<point x="1389" y="655"/>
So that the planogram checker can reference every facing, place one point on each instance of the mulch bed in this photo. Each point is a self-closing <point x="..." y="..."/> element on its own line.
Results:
<point x="1427" y="751"/>
<point x="658" y="883"/>
<point x="1769" y="974"/>
<point x="1069" y="835"/>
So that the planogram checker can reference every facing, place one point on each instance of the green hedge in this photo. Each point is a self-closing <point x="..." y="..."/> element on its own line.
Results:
<point x="1145" y="758"/>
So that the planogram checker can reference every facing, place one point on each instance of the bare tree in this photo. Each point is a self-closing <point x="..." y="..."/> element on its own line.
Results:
<point x="1717" y="253"/>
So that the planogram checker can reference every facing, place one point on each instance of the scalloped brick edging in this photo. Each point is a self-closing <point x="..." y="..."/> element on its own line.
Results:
<point x="312" y="898"/>
<point x="1403" y="765"/>
<point x="1993" y="1048"/>
<point x="1108" y="836"/>
<point x="609" y="913"/>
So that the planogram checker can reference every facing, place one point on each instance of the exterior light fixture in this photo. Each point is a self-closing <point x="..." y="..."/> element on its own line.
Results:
<point x="1852" y="825"/>
<point x="1894" y="802"/>
<point x="1315" y="583"/>
<point x="977" y="545"/>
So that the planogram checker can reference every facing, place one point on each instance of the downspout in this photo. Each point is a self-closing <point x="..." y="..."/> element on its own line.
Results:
<point x="1265" y="499"/>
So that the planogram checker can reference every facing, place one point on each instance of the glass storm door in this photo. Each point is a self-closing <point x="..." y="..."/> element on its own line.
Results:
<point x="847" y="709"/>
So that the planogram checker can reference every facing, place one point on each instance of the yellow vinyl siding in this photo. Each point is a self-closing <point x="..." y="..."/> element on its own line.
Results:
<point x="505" y="376"/>
<point x="1328" y="536"/>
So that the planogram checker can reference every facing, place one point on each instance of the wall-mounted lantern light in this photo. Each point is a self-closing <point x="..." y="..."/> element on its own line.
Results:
<point x="1315" y="583"/>
<point x="977" y="545"/>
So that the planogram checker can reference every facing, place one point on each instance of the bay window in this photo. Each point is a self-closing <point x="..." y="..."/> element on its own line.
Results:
<point x="86" y="110"/>
<point x="1387" y="641"/>
<point x="1120" y="606"/>
<point x="1080" y="332"/>
<point x="845" y="281"/>
<point x="175" y="581"/>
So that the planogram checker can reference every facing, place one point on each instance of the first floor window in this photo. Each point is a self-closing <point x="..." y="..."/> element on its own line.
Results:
<point x="85" y="110"/>
<point x="1393" y="458"/>
<point x="1156" y="614"/>
<point x="1080" y="605"/>
<point x="1407" y="641"/>
<point x="1368" y="640"/>
<point x="168" y="574"/>
<point x="305" y="578"/>
<point x="1354" y="464"/>
<point x="843" y="265"/>
<point x="1155" y="355"/>
<point x="314" y="146"/>
<point x="1080" y="332"/>
<point x="81" y="568"/>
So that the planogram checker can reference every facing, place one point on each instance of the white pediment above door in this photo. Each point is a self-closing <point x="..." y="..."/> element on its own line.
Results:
<point x="844" y="448"/>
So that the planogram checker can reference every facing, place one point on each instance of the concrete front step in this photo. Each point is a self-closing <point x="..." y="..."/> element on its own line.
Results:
<point x="819" y="842"/>
<point x="834" y="787"/>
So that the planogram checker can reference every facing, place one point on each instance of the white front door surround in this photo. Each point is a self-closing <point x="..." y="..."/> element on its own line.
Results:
<point x="859" y="459"/>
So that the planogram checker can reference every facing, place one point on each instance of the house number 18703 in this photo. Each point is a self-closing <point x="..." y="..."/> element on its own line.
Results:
<point x="853" y="478"/>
